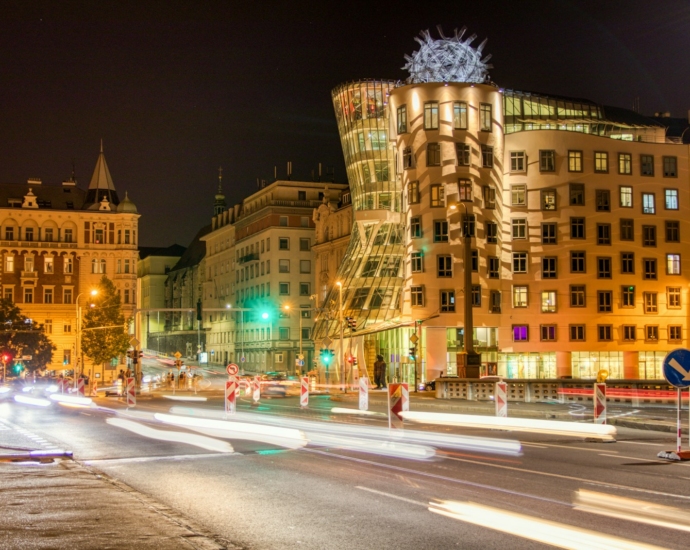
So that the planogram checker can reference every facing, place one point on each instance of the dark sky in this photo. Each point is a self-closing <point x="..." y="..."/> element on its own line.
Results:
<point x="177" y="89"/>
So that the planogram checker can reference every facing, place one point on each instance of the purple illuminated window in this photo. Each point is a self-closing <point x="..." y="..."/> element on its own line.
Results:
<point x="520" y="333"/>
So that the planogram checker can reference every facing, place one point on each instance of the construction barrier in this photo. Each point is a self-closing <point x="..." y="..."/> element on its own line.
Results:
<point x="94" y="390"/>
<point x="131" y="392"/>
<point x="599" y="403"/>
<point x="304" y="395"/>
<point x="399" y="402"/>
<point x="80" y="386"/>
<point x="256" y="389"/>
<point x="501" y="399"/>
<point x="230" y="395"/>
<point x="363" y="393"/>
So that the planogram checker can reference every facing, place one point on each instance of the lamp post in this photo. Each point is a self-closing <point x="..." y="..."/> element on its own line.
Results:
<point x="470" y="360"/>
<point x="340" y="317"/>
<point x="299" y="312"/>
<point x="77" y="342"/>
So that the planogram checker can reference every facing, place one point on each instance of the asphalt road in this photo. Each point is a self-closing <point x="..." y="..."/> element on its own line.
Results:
<point x="354" y="490"/>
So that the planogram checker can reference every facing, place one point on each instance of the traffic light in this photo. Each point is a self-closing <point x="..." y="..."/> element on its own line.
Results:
<point x="413" y="353"/>
<point x="6" y="358"/>
<point x="326" y="356"/>
<point x="18" y="367"/>
<point x="351" y="323"/>
<point x="264" y="315"/>
<point x="350" y="359"/>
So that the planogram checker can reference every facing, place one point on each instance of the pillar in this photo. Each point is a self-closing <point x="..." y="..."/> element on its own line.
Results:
<point x="564" y="367"/>
<point x="436" y="352"/>
<point x="631" y="365"/>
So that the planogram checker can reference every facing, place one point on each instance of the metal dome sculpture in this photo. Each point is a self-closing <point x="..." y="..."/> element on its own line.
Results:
<point x="447" y="59"/>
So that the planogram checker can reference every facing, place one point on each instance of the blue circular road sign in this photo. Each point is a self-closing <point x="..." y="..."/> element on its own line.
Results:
<point x="677" y="368"/>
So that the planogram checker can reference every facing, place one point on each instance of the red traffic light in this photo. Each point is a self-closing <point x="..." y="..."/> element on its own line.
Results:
<point x="6" y="358"/>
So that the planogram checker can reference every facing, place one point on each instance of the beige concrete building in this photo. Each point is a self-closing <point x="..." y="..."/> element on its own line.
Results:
<point x="57" y="241"/>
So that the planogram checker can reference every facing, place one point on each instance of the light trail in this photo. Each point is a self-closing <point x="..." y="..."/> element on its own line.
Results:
<point x="35" y="401"/>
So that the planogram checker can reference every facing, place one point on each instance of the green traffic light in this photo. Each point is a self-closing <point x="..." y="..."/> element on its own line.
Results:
<point x="264" y="315"/>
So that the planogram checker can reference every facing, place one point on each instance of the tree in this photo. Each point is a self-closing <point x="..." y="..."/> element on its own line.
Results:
<point x="22" y="336"/>
<point x="104" y="332"/>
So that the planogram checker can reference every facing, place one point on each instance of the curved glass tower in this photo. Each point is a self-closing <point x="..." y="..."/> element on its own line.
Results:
<point x="371" y="271"/>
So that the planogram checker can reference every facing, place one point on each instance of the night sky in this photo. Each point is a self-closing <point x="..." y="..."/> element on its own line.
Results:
<point x="177" y="89"/>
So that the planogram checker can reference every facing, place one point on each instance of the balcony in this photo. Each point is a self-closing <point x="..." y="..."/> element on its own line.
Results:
<point x="254" y="256"/>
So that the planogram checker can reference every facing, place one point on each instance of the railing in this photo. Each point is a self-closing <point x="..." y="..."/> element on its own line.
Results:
<point x="634" y="393"/>
<point x="249" y="257"/>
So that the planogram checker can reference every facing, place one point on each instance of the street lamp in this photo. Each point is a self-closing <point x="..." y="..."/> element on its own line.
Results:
<point x="299" y="312"/>
<point x="77" y="343"/>
<point x="342" y="363"/>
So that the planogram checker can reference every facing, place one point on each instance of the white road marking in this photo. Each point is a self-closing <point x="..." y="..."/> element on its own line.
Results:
<point x="389" y="495"/>
<point x="547" y="445"/>
<point x="96" y="461"/>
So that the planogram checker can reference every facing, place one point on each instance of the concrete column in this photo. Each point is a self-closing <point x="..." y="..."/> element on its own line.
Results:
<point x="564" y="365"/>
<point x="631" y="365"/>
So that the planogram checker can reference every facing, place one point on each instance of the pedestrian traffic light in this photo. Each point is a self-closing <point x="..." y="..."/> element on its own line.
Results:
<point x="413" y="353"/>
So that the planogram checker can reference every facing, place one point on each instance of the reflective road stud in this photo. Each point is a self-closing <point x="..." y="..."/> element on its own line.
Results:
<point x="131" y="393"/>
<point x="501" y="399"/>
<point x="80" y="386"/>
<point x="256" y="390"/>
<point x="304" y="395"/>
<point x="398" y="401"/>
<point x="363" y="393"/>
<point x="599" y="403"/>
<point x="230" y="395"/>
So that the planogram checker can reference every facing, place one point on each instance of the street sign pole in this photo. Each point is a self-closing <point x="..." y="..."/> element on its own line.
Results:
<point x="676" y="369"/>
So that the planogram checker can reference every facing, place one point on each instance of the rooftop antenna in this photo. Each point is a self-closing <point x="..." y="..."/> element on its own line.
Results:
<point x="319" y="171"/>
<point x="72" y="177"/>
<point x="220" y="179"/>
<point x="275" y="173"/>
<point x="289" y="170"/>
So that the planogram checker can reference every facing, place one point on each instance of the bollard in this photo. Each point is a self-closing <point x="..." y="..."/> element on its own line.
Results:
<point x="398" y="401"/>
<point x="131" y="392"/>
<point x="600" y="403"/>
<point x="230" y="395"/>
<point x="363" y="394"/>
<point x="304" y="394"/>
<point x="256" y="393"/>
<point x="501" y="399"/>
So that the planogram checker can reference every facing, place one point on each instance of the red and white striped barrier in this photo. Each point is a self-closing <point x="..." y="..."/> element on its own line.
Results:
<point x="399" y="402"/>
<point x="256" y="389"/>
<point x="94" y="390"/>
<point x="230" y="395"/>
<point x="363" y="393"/>
<point x="501" y="399"/>
<point x="304" y="394"/>
<point x="64" y="385"/>
<point x="131" y="392"/>
<point x="599" y="403"/>
<point x="80" y="386"/>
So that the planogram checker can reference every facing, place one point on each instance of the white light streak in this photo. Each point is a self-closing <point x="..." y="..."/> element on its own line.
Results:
<point x="36" y="401"/>
<point x="185" y="397"/>
<point x="71" y="399"/>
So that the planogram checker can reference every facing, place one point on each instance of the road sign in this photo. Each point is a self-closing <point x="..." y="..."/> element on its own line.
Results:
<point x="230" y="394"/>
<point x="501" y="399"/>
<point x="300" y="356"/>
<point x="399" y="401"/>
<point x="177" y="355"/>
<point x="599" y="403"/>
<point x="676" y="368"/>
<point x="242" y="359"/>
<point x="26" y="357"/>
<point x="131" y="393"/>
<point x="326" y="342"/>
<point x="134" y="343"/>
<point x="304" y="394"/>
<point x="232" y="369"/>
<point x="299" y="362"/>
<point x="414" y="338"/>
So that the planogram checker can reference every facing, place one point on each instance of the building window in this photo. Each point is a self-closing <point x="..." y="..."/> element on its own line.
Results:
<point x="673" y="264"/>
<point x="604" y="268"/>
<point x="283" y="266"/>
<point x="126" y="266"/>
<point x="519" y="262"/>
<point x="625" y="163"/>
<point x="548" y="333"/>
<point x="547" y="161"/>
<point x="284" y="243"/>
<point x="431" y="115"/>
<point x="304" y="290"/>
<point x="417" y="295"/>
<point x="548" y="301"/>
<point x="284" y="289"/>
<point x="603" y="233"/>
<point x="47" y="295"/>
<point x="413" y="192"/>
<point x="476" y="296"/>
<point x="29" y="234"/>
<point x="493" y="267"/>
<point x="283" y="333"/>
<point x="9" y="233"/>
<point x="48" y="234"/>
<point x="460" y="115"/>
<point x="485" y="117"/>
<point x="487" y="156"/>
<point x="360" y="298"/>
<point x="605" y="333"/>
<point x="305" y="266"/>
<point x="649" y="265"/>
<point x="577" y="194"/>
<point x="495" y="301"/>
<point x="491" y="233"/>
<point x="671" y="199"/>
<point x="48" y="326"/>
<point x="519" y="228"/>
<point x="629" y="333"/>
<point x="646" y="165"/>
<point x="627" y="263"/>
<point x="548" y="199"/>
<point x="48" y="264"/>
<point x="517" y="161"/>
<point x="67" y="296"/>
<point x="438" y="197"/>
<point x="416" y="228"/>
<point x="650" y="302"/>
<point x="577" y="333"/>
<point x="447" y="301"/>
<point x="465" y="190"/>
<point x="548" y="233"/>
<point x="408" y="158"/>
<point x="672" y="232"/>
<point x="603" y="200"/>
<point x="462" y="150"/>
<point x="29" y="263"/>
<point x="577" y="262"/>
<point x="433" y="154"/>
<point x="468" y="224"/>
<point x="626" y="197"/>
<point x="548" y="267"/>
<point x="126" y="298"/>
<point x="675" y="333"/>
<point x="518" y="195"/>
<point x="489" y="197"/>
<point x="601" y="162"/>
<point x="68" y="235"/>
<point x="417" y="262"/>
<point x="520" y="296"/>
<point x="574" y="161"/>
<point x="673" y="297"/>
<point x="520" y="333"/>
<point x="402" y="119"/>
<point x="648" y="203"/>
<point x="445" y="265"/>
<point x="651" y="333"/>
<point x="28" y="295"/>
<point x="577" y="296"/>
<point x="577" y="228"/>
<point x="97" y="266"/>
<point x="649" y="235"/>
<point x="440" y="231"/>
<point x="627" y="229"/>
<point x="628" y="296"/>
<point x="670" y="167"/>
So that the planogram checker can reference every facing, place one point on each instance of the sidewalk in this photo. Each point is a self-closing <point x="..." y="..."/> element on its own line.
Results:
<point x="65" y="505"/>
